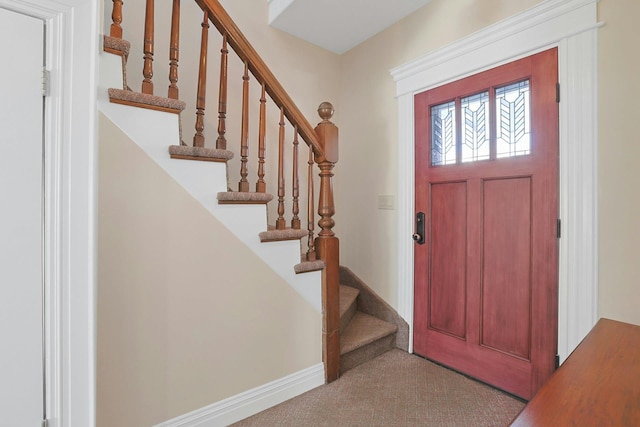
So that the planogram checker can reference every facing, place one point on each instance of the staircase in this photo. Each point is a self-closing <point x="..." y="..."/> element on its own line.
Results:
<point x="367" y="326"/>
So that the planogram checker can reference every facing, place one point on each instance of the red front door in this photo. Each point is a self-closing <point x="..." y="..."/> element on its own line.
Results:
<point x="487" y="181"/>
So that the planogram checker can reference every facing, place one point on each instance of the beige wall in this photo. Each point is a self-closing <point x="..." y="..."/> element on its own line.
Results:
<point x="619" y="153"/>
<point x="187" y="315"/>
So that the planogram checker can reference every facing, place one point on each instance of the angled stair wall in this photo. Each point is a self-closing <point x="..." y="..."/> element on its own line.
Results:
<point x="250" y="84"/>
<point x="154" y="132"/>
<point x="188" y="326"/>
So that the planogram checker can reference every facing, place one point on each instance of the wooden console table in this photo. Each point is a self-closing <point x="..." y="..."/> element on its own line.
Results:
<point x="598" y="385"/>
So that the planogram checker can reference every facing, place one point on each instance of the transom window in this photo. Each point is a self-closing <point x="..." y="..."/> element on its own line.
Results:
<point x="464" y="130"/>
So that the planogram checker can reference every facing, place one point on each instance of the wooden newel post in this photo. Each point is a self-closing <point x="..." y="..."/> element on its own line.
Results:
<point x="327" y="244"/>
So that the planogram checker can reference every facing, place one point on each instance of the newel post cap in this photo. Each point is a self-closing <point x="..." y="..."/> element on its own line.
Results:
<point x="325" y="111"/>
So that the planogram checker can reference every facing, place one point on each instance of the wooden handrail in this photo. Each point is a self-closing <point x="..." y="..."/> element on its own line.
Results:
<point x="245" y="51"/>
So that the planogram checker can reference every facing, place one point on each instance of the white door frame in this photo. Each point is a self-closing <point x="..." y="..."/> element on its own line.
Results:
<point x="571" y="25"/>
<point x="70" y="193"/>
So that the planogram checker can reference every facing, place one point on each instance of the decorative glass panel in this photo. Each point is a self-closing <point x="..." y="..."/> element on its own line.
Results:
<point x="443" y="134"/>
<point x="475" y="128"/>
<point x="513" y="133"/>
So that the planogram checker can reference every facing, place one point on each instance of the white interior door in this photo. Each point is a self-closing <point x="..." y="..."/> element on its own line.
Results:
<point x="21" y="220"/>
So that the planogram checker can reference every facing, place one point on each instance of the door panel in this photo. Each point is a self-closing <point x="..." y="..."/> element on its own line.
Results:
<point x="507" y="260"/>
<point x="21" y="110"/>
<point x="486" y="277"/>
<point x="447" y="292"/>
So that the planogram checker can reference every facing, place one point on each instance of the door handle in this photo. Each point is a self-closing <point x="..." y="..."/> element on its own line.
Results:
<point x="418" y="236"/>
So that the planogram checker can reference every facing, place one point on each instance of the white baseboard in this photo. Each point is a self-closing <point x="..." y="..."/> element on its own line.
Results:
<point x="251" y="402"/>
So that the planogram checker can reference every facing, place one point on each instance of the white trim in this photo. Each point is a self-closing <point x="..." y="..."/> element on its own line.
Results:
<point x="251" y="402"/>
<point x="571" y="25"/>
<point x="578" y="290"/>
<point x="70" y="138"/>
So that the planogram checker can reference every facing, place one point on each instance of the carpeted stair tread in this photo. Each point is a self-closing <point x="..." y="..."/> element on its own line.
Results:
<point x="199" y="153"/>
<point x="144" y="100"/>
<point x="362" y="330"/>
<point x="307" y="266"/>
<point x="348" y="305"/>
<point x="243" y="197"/>
<point x="274" y="235"/>
<point x="116" y="45"/>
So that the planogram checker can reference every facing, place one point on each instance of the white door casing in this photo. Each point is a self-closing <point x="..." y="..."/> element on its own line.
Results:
<point x="571" y="25"/>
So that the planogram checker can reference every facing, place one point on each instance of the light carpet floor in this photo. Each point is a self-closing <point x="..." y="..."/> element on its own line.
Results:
<point x="395" y="389"/>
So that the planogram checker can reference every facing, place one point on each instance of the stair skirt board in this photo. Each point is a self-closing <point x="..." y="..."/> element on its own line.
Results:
<point x="251" y="402"/>
<point x="204" y="180"/>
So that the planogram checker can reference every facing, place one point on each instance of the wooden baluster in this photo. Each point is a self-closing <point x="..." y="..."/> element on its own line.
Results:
<point x="198" y="138"/>
<point x="295" y="190"/>
<point x="311" y="251"/>
<point x="280" y="222"/>
<point x="221" y="142"/>
<point x="147" y="70"/>
<point x="261" y="185"/>
<point x="174" y="50"/>
<point x="116" y="19"/>
<point x="327" y="245"/>
<point x="243" y="185"/>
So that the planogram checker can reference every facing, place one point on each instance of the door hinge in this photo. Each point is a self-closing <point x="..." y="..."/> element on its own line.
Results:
<point x="46" y="78"/>
<point x="559" y="228"/>
<point x="557" y="92"/>
<point x="557" y="361"/>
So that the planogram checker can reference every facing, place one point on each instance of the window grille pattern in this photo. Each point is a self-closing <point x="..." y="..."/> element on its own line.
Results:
<point x="513" y="134"/>
<point x="478" y="135"/>
<point x="475" y="129"/>
<point x="443" y="135"/>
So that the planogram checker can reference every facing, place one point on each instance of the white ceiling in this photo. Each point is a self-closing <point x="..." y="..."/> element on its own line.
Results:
<point x="338" y="25"/>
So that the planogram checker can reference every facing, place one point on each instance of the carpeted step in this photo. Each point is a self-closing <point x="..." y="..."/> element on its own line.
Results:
<point x="308" y="266"/>
<point x="121" y="48"/>
<point x="274" y="235"/>
<point x="143" y="100"/>
<point x="364" y="338"/>
<point x="348" y="306"/>
<point x="116" y="46"/>
<point x="199" y="153"/>
<point x="243" y="197"/>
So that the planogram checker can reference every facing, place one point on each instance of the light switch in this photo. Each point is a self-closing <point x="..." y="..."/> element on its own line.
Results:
<point x="386" y="202"/>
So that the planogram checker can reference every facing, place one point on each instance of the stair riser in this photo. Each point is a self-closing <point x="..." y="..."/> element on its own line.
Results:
<point x="348" y="315"/>
<point x="363" y="354"/>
